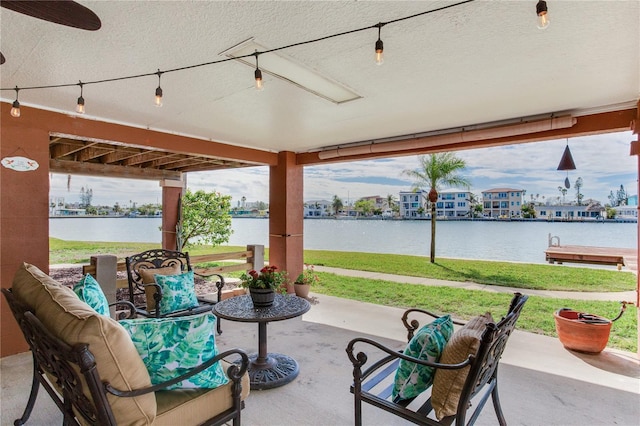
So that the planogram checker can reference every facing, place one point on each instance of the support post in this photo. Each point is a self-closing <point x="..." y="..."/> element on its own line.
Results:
<point x="171" y="193"/>
<point x="257" y="260"/>
<point x="106" y="274"/>
<point x="286" y="225"/>
<point x="635" y="150"/>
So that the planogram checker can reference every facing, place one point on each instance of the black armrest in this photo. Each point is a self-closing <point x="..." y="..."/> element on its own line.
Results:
<point x="414" y="325"/>
<point x="234" y="372"/>
<point x="360" y="358"/>
<point x="131" y="306"/>
<point x="219" y="284"/>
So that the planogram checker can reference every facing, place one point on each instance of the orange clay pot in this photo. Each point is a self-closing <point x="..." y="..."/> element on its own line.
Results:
<point x="577" y="335"/>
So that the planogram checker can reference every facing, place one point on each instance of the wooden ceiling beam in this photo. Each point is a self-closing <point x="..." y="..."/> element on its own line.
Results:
<point x="110" y="170"/>
<point x="144" y="157"/>
<point x="120" y="155"/>
<point x="93" y="152"/>
<point x="64" y="149"/>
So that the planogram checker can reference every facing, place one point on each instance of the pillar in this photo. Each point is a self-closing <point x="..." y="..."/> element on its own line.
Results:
<point x="171" y="193"/>
<point x="286" y="225"/>
<point x="107" y="275"/>
<point x="635" y="150"/>
<point x="24" y="211"/>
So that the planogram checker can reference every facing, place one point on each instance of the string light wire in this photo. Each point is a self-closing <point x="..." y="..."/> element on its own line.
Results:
<point x="377" y="26"/>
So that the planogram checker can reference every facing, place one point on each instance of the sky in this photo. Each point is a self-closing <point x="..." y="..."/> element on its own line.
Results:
<point x="602" y="161"/>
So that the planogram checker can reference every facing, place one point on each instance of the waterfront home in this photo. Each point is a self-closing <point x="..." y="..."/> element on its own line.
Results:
<point x="590" y="211"/>
<point x="413" y="204"/>
<point x="502" y="202"/>
<point x="453" y="203"/>
<point x="317" y="208"/>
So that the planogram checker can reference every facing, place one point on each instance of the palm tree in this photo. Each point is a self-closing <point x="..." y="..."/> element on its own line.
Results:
<point x="336" y="204"/>
<point x="436" y="170"/>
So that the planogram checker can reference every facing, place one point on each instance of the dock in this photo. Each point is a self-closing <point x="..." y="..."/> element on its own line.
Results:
<point x="594" y="255"/>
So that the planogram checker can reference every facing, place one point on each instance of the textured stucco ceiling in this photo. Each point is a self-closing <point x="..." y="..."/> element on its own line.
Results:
<point x="477" y="63"/>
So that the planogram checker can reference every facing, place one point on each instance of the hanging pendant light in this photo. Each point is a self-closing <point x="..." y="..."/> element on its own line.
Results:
<point x="566" y="163"/>
<point x="80" y="104"/>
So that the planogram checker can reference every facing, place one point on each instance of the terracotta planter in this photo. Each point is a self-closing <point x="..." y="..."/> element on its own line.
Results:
<point x="302" y="290"/>
<point x="262" y="297"/>
<point x="579" y="335"/>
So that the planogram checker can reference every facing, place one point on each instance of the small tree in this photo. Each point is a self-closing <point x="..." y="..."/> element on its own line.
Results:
<point x="435" y="170"/>
<point x="86" y="196"/>
<point x="563" y="191"/>
<point x="205" y="217"/>
<point x="621" y="197"/>
<point x="579" y="195"/>
<point x="364" y="206"/>
<point x="336" y="204"/>
<point x="528" y="211"/>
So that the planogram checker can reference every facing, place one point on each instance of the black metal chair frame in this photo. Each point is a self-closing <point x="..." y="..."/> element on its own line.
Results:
<point x="482" y="378"/>
<point x="161" y="258"/>
<point x="76" y="376"/>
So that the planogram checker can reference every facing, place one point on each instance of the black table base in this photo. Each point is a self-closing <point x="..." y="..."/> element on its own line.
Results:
<point x="276" y="370"/>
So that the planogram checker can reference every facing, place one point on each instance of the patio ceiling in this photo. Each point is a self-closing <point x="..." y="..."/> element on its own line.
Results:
<point x="90" y="157"/>
<point x="481" y="62"/>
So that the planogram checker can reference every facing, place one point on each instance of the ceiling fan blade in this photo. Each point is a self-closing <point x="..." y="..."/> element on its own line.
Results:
<point x="2" y="59"/>
<point x="63" y="12"/>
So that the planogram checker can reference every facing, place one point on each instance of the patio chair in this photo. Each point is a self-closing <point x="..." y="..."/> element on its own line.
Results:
<point x="466" y="371"/>
<point x="141" y="271"/>
<point x="89" y="366"/>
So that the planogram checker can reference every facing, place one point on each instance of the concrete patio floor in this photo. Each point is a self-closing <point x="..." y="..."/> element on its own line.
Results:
<point x="541" y="383"/>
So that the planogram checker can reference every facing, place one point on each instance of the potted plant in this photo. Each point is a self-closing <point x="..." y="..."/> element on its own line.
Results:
<point x="305" y="280"/>
<point x="263" y="285"/>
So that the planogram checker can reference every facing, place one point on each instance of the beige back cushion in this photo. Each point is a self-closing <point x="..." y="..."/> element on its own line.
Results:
<point x="147" y="275"/>
<point x="73" y="321"/>
<point x="448" y="384"/>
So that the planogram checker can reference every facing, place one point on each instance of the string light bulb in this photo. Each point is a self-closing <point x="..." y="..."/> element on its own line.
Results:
<point x="80" y="104"/>
<point x="258" y="74"/>
<point x="379" y="47"/>
<point x="15" y="107"/>
<point x="158" y="99"/>
<point x="543" y="15"/>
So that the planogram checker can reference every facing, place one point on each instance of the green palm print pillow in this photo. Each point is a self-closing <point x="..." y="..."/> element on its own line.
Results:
<point x="427" y="344"/>
<point x="178" y="292"/>
<point x="170" y="347"/>
<point x="89" y="291"/>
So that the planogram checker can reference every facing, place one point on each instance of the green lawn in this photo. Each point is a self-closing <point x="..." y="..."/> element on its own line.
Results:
<point x="537" y="316"/>
<point x="509" y="274"/>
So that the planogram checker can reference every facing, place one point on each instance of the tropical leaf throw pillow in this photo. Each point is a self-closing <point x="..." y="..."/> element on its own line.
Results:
<point x="428" y="343"/>
<point x="90" y="292"/>
<point x="178" y="292"/>
<point x="170" y="347"/>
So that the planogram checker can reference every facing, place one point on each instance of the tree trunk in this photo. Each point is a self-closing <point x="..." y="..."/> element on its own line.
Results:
<point x="433" y="232"/>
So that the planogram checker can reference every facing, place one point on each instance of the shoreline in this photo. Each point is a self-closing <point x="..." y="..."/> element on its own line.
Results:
<point x="453" y="219"/>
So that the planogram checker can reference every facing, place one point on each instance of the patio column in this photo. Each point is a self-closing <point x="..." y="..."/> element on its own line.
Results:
<point x="24" y="210"/>
<point x="286" y="225"/>
<point x="635" y="150"/>
<point x="171" y="193"/>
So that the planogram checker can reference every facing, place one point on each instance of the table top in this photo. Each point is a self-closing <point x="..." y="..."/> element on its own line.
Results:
<point x="240" y="308"/>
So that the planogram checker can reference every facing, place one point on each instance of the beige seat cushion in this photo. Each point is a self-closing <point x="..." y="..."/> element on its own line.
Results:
<point x="73" y="321"/>
<point x="194" y="406"/>
<point x="147" y="275"/>
<point x="448" y="384"/>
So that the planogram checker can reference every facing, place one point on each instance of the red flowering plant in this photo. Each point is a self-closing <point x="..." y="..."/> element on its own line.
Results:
<point x="308" y="276"/>
<point x="268" y="277"/>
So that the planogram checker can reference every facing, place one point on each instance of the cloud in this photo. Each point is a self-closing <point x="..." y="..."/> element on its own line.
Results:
<point x="603" y="162"/>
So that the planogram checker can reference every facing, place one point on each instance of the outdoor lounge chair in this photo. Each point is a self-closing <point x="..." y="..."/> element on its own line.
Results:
<point x="141" y="269"/>
<point x="478" y="347"/>
<point x="89" y="365"/>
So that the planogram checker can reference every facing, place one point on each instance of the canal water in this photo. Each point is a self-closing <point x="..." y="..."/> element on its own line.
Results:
<point x="490" y="240"/>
